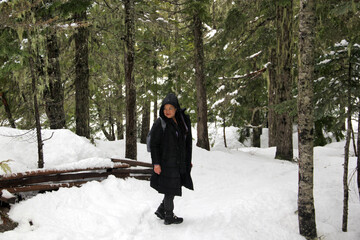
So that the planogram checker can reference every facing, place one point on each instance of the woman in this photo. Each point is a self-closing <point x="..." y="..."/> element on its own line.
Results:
<point x="171" y="149"/>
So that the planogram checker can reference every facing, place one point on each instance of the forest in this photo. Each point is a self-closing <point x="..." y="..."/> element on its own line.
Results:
<point x="104" y="66"/>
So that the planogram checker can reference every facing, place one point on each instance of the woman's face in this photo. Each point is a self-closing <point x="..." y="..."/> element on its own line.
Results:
<point x="169" y="111"/>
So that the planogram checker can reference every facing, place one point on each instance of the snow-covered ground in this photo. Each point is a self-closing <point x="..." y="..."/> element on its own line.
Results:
<point x="240" y="193"/>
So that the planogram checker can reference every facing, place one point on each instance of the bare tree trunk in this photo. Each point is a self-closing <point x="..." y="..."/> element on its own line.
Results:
<point x="202" y="129"/>
<point x="347" y="153"/>
<point x="306" y="209"/>
<point x="131" y="148"/>
<point x="345" y="177"/>
<point x="54" y="91"/>
<point x="354" y="142"/>
<point x="284" y="15"/>
<point x="256" y="129"/>
<point x="155" y="108"/>
<point x="7" y="110"/>
<point x="224" y="131"/>
<point x="34" y="76"/>
<point x="119" y="103"/>
<point x="82" y="96"/>
<point x="155" y="88"/>
<point x="271" y="97"/>
<point x="145" y="124"/>
<point x="358" y="156"/>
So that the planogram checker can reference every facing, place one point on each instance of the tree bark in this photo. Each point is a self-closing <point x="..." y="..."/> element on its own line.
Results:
<point x="131" y="148"/>
<point x="34" y="76"/>
<point x="306" y="209"/>
<point x="54" y="91"/>
<point x="224" y="131"/>
<point x="82" y="96"/>
<point x="256" y="130"/>
<point x="358" y="156"/>
<point x="145" y="124"/>
<point x="346" y="173"/>
<point x="7" y="110"/>
<point x="347" y="153"/>
<point x="202" y="129"/>
<point x="271" y="99"/>
<point x="284" y="15"/>
<point x="119" y="104"/>
<point x="155" y="106"/>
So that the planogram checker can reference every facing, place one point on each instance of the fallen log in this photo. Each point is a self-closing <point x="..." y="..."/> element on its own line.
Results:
<point x="46" y="180"/>
<point x="31" y="180"/>
<point x="132" y="162"/>
<point x="49" y="172"/>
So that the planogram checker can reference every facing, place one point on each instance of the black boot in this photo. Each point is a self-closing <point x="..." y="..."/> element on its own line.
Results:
<point x="160" y="212"/>
<point x="170" y="218"/>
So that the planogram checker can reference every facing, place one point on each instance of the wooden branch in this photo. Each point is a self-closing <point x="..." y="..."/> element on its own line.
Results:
<point x="132" y="162"/>
<point x="251" y="75"/>
<point x="44" y="187"/>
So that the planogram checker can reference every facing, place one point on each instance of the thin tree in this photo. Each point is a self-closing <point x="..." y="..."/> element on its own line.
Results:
<point x="284" y="15"/>
<point x="271" y="99"/>
<point x="145" y="123"/>
<point x="130" y="148"/>
<point x="7" y="110"/>
<point x="201" y="100"/>
<point x="34" y="72"/>
<point x="347" y="151"/>
<point x="358" y="155"/>
<point x="82" y="96"/>
<point x="306" y="209"/>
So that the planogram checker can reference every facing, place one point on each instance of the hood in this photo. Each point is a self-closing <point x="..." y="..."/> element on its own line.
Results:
<point x="169" y="99"/>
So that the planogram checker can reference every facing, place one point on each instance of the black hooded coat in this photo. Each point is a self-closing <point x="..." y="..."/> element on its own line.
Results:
<point x="172" y="149"/>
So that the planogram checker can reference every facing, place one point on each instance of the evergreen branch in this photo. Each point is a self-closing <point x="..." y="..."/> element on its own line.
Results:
<point x="251" y="75"/>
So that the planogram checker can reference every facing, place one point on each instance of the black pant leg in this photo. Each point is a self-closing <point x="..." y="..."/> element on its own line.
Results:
<point x="169" y="203"/>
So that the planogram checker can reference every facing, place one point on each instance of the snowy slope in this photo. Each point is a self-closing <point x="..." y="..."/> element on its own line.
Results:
<point x="240" y="193"/>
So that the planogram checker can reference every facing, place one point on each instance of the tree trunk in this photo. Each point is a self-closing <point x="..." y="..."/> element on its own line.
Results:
<point x="284" y="15"/>
<point x="155" y="107"/>
<point x="347" y="153"/>
<point x="354" y="142"/>
<point x="155" y="65"/>
<point x="271" y="98"/>
<point x="358" y="156"/>
<point x="306" y="209"/>
<point x="145" y="127"/>
<point x="256" y="129"/>
<point x="202" y="129"/>
<point x="346" y="173"/>
<point x="82" y="96"/>
<point x="7" y="110"/>
<point x="131" y="148"/>
<point x="224" y="131"/>
<point x="119" y="104"/>
<point x="54" y="91"/>
<point x="34" y="76"/>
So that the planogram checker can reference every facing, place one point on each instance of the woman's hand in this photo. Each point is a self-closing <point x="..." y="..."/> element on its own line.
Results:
<point x="157" y="169"/>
